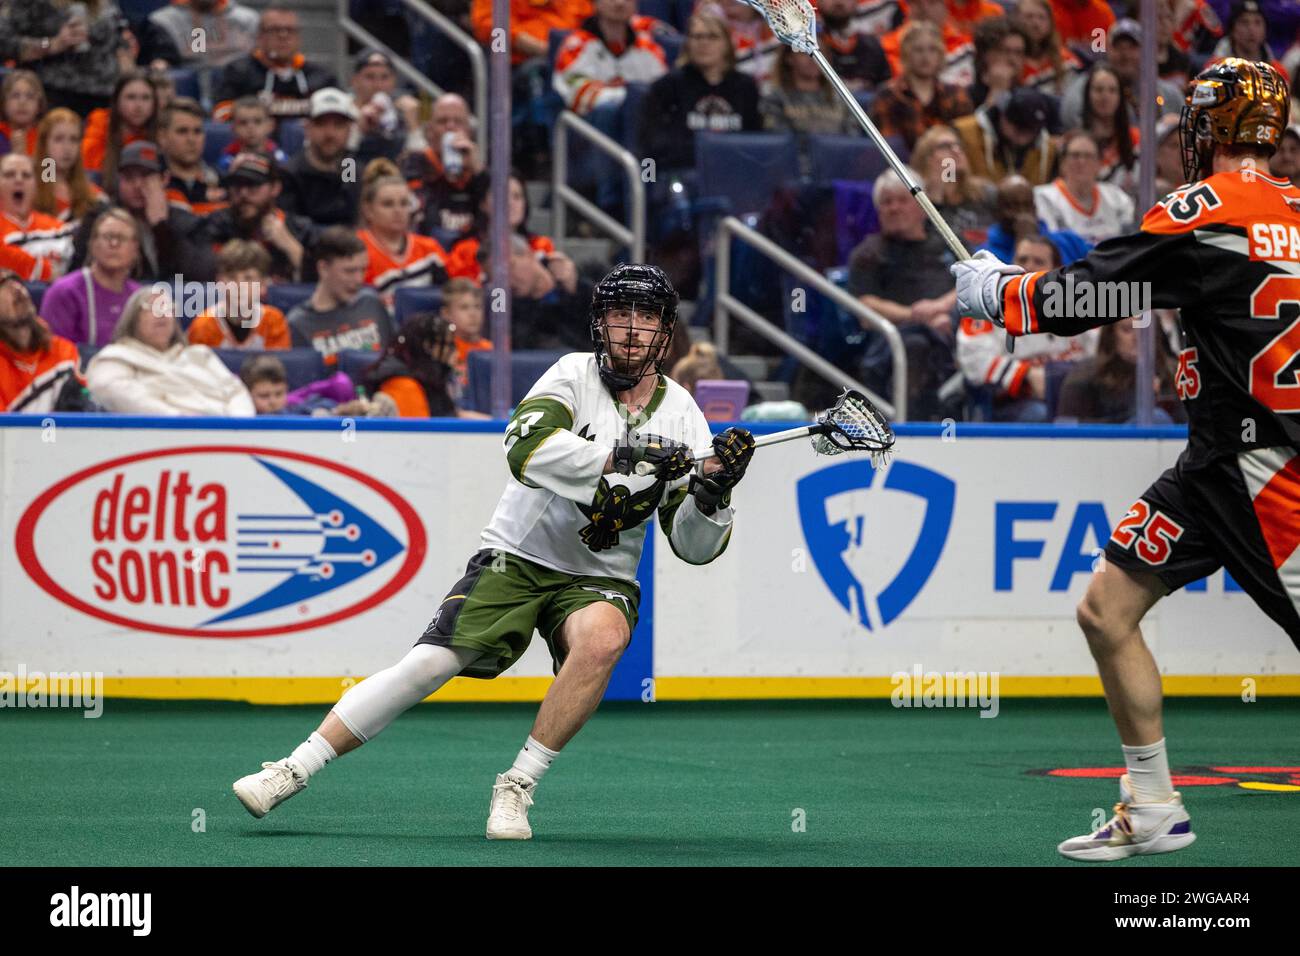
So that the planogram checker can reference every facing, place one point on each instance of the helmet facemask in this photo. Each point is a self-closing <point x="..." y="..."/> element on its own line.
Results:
<point x="631" y="342"/>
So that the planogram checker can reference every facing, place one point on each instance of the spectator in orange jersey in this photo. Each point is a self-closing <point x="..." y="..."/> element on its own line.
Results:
<point x="462" y="306"/>
<point x="190" y="183"/>
<point x="38" y="370"/>
<point x="1079" y="20"/>
<point x="964" y="14"/>
<point x="959" y="58"/>
<point x="22" y="103"/>
<point x="68" y="194"/>
<point x="32" y="244"/>
<point x="531" y="23"/>
<point x="398" y="257"/>
<point x="133" y="116"/>
<point x="416" y="370"/>
<point x="241" y="320"/>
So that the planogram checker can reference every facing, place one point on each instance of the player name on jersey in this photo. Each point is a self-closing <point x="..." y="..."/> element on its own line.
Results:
<point x="1274" y="241"/>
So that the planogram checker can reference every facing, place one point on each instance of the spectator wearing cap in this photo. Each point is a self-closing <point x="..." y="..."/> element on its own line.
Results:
<point x="229" y="30"/>
<point x="84" y="306"/>
<point x="1124" y="57"/>
<point x="1010" y="137"/>
<point x="253" y="186"/>
<point x="323" y="180"/>
<point x="38" y="369"/>
<point x="190" y="183"/>
<point x="447" y="177"/>
<point x="276" y="70"/>
<point x="1079" y="21"/>
<point x="341" y="313"/>
<point x="1285" y="163"/>
<point x="381" y="128"/>
<point x="34" y="245"/>
<point x="917" y="99"/>
<point x="170" y="237"/>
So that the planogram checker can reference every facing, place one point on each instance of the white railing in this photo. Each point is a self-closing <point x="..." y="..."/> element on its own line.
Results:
<point x="564" y="196"/>
<point x="726" y="305"/>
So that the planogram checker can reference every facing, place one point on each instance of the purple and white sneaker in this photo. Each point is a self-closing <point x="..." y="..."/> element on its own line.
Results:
<point x="1136" y="829"/>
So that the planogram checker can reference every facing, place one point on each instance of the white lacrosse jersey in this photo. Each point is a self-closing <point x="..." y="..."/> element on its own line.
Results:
<point x="1109" y="214"/>
<point x="557" y="443"/>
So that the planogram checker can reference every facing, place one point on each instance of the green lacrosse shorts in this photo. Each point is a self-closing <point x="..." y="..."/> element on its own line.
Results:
<point x="503" y="599"/>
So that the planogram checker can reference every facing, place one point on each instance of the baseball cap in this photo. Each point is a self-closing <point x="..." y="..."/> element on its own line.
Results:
<point x="1028" y="109"/>
<point x="371" y="57"/>
<point x="1127" y="28"/>
<point x="251" y="167"/>
<point x="142" y="155"/>
<point x="332" y="101"/>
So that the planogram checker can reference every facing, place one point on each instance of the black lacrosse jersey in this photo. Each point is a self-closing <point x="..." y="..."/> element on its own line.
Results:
<point x="1226" y="251"/>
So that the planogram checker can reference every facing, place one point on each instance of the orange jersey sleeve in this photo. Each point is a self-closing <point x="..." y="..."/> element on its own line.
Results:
<point x="408" y="395"/>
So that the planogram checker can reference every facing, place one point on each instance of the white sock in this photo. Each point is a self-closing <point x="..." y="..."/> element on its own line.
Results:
<point x="313" y="754"/>
<point x="1148" y="772"/>
<point x="369" y="707"/>
<point x="534" y="760"/>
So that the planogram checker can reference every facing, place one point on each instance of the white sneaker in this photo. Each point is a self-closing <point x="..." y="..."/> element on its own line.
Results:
<point x="262" y="792"/>
<point x="1136" y="829"/>
<point x="512" y="795"/>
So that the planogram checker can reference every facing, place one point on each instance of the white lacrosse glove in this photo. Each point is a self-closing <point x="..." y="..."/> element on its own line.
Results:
<point x="979" y="285"/>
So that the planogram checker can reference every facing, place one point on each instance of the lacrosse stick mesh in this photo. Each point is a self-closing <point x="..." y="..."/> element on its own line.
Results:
<point x="793" y="21"/>
<point x="854" y="424"/>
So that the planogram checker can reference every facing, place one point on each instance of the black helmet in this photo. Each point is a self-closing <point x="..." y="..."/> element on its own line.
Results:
<point x="646" y="289"/>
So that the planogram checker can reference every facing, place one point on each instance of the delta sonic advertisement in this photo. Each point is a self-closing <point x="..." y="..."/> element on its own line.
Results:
<point x="150" y="551"/>
<point x="968" y="551"/>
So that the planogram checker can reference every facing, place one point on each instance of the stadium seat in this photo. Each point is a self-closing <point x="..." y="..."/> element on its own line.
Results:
<point x="744" y="168"/>
<point x="672" y="44"/>
<point x="137" y="10"/>
<point x="844" y="157"/>
<point x="301" y="366"/>
<point x="284" y="296"/>
<point x="526" y="367"/>
<point x="355" y="362"/>
<point x="216" y="137"/>
<point x="412" y="301"/>
<point x="37" y="291"/>
<point x="289" y="136"/>
<point x="87" y="352"/>
<point x="659" y="9"/>
<point x="186" y="83"/>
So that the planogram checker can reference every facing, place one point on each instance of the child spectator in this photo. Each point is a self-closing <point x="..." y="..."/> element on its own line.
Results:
<point x="32" y="244"/>
<point x="149" y="370"/>
<point x="252" y="124"/>
<point x="133" y="116"/>
<point x="398" y="257"/>
<point x="241" y="320"/>
<point x="462" y="307"/>
<point x="190" y="184"/>
<point x="267" y="383"/>
<point x="340" y="314"/>
<point x="86" y="305"/>
<point x="68" y="194"/>
<point x="38" y="370"/>
<point x="22" y="104"/>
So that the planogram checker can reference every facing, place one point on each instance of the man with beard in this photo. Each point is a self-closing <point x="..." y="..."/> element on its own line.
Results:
<point x="856" y="54"/>
<point x="323" y="180"/>
<point x="253" y="185"/>
<point x="38" y="370"/>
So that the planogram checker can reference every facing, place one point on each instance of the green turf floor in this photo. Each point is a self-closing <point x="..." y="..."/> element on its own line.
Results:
<point x="656" y="784"/>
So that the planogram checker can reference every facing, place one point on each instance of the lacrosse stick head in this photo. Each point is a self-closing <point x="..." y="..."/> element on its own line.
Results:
<point x="794" y="22"/>
<point x="853" y="423"/>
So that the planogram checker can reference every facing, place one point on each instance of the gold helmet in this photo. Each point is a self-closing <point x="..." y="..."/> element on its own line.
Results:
<point x="1235" y="102"/>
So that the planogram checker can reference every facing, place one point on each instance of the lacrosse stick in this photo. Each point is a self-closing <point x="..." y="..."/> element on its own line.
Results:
<point x="851" y="424"/>
<point x="794" y="22"/>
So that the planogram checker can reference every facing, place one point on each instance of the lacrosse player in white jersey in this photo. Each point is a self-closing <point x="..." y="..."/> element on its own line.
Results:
<point x="561" y="550"/>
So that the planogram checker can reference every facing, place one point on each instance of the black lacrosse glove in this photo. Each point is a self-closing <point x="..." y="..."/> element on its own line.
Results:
<point x="735" y="447"/>
<point x="671" y="459"/>
<point x="608" y="514"/>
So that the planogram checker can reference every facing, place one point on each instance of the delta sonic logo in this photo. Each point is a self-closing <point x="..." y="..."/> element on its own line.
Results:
<point x="857" y="524"/>
<point x="220" y="542"/>
<point x="1259" y="779"/>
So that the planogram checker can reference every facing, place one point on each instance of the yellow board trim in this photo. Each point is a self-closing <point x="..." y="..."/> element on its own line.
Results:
<point x="327" y="690"/>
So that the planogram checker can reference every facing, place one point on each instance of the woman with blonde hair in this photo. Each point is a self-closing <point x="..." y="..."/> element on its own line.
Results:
<point x="68" y="194"/>
<point x="700" y="363"/>
<point x="22" y="101"/>
<point x="967" y="202"/>
<point x="148" y="369"/>
<point x="399" y="257"/>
